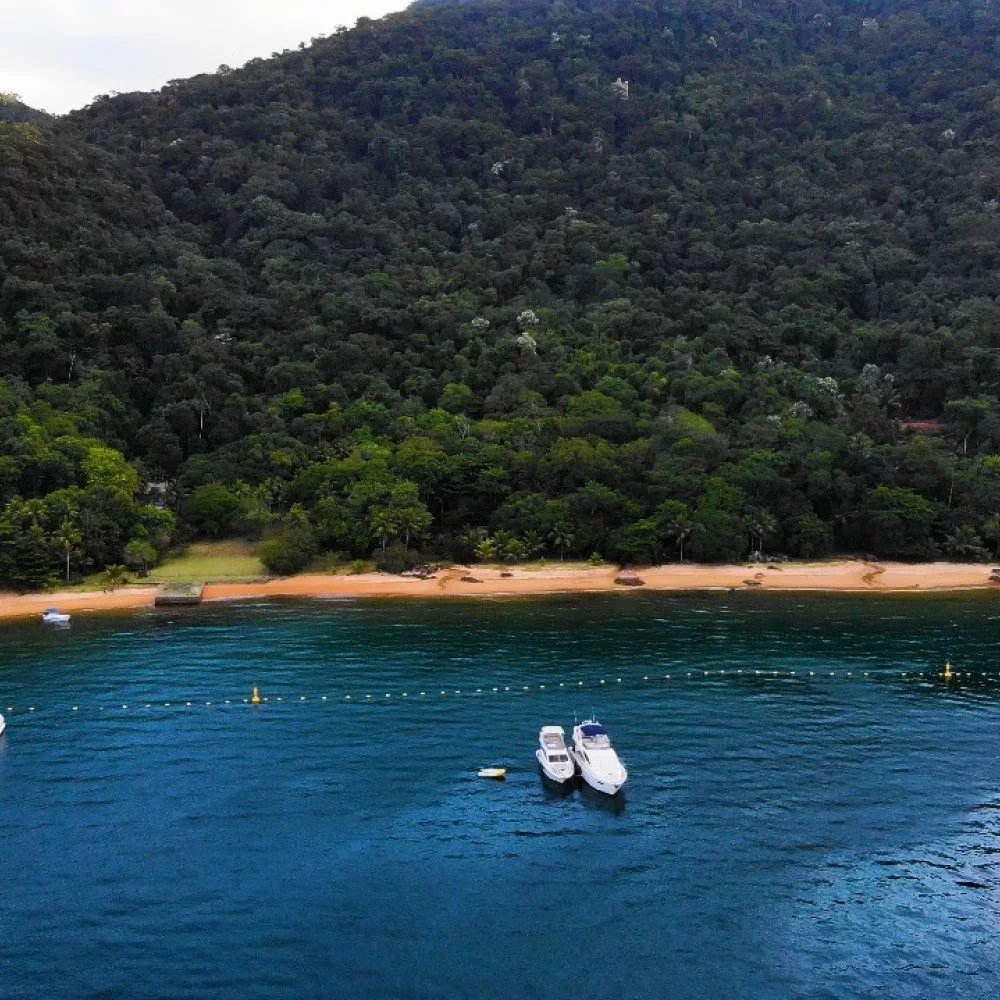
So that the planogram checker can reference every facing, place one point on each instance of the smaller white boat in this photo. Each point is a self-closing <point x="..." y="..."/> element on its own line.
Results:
<point x="595" y="756"/>
<point x="553" y="756"/>
<point x="53" y="616"/>
<point x="492" y="772"/>
<point x="3" y="724"/>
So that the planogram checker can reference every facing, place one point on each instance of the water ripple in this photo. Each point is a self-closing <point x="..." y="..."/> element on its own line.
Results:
<point x="803" y="835"/>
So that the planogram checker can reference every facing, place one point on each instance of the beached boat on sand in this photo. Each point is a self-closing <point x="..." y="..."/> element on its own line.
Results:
<point x="53" y="616"/>
<point x="553" y="755"/>
<point x="595" y="756"/>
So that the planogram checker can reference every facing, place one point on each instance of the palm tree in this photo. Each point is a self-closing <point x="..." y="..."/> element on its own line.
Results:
<point x="562" y="538"/>
<point x="384" y="524"/>
<point x="533" y="543"/>
<point x="413" y="521"/>
<point x="508" y="546"/>
<point x="759" y="524"/>
<point x="68" y="541"/>
<point x="991" y="532"/>
<point x="964" y="543"/>
<point x="679" y="528"/>
<point x="486" y="550"/>
<point x="514" y="550"/>
<point x="114" y="576"/>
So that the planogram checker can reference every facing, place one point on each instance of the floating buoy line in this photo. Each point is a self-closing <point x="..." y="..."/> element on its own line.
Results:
<point x="955" y="680"/>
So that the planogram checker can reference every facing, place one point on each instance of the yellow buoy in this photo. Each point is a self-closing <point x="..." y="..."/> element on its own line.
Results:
<point x="255" y="698"/>
<point x="948" y="672"/>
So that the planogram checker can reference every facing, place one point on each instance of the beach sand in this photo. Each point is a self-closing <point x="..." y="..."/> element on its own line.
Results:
<point x="846" y="576"/>
<point x="30" y="605"/>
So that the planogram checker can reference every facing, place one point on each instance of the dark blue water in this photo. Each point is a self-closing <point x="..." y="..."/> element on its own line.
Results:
<point x="797" y="835"/>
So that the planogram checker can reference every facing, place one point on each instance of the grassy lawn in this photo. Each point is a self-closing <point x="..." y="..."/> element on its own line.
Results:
<point x="209" y="562"/>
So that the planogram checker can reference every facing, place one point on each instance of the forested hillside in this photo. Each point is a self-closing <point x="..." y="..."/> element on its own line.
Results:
<point x="654" y="280"/>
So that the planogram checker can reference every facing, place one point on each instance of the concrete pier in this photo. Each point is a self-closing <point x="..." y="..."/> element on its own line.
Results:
<point x="179" y="594"/>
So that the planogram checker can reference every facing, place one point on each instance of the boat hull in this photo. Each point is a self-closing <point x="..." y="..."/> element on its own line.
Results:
<point x="561" y="778"/>
<point x="609" y="784"/>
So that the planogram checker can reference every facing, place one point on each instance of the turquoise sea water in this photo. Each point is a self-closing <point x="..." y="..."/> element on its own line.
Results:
<point x="799" y="835"/>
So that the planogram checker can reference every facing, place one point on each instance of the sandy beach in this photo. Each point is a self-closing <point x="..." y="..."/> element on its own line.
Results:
<point x="846" y="576"/>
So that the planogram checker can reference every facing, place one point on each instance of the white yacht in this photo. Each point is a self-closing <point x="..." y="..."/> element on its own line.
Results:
<point x="3" y="724"/>
<point x="553" y="757"/>
<point x="596" y="757"/>
<point x="53" y="616"/>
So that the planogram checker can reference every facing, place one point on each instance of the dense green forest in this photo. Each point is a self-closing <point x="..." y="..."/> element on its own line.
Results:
<point x="655" y="280"/>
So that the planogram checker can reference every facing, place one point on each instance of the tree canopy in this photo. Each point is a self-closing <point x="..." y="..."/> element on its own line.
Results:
<point x="653" y="279"/>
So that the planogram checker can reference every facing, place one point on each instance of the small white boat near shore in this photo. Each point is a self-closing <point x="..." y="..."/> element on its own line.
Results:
<point x="553" y="755"/>
<point x="53" y="616"/>
<point x="595" y="756"/>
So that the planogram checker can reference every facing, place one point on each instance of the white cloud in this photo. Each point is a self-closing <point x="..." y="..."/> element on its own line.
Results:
<point x="60" y="54"/>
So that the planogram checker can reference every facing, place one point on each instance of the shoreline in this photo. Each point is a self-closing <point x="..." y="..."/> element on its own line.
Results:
<point x="846" y="576"/>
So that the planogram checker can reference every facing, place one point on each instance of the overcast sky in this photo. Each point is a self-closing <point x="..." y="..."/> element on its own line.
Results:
<point x="60" y="54"/>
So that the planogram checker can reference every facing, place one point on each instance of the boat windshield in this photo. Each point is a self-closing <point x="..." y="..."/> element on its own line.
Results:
<point x="558" y="758"/>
